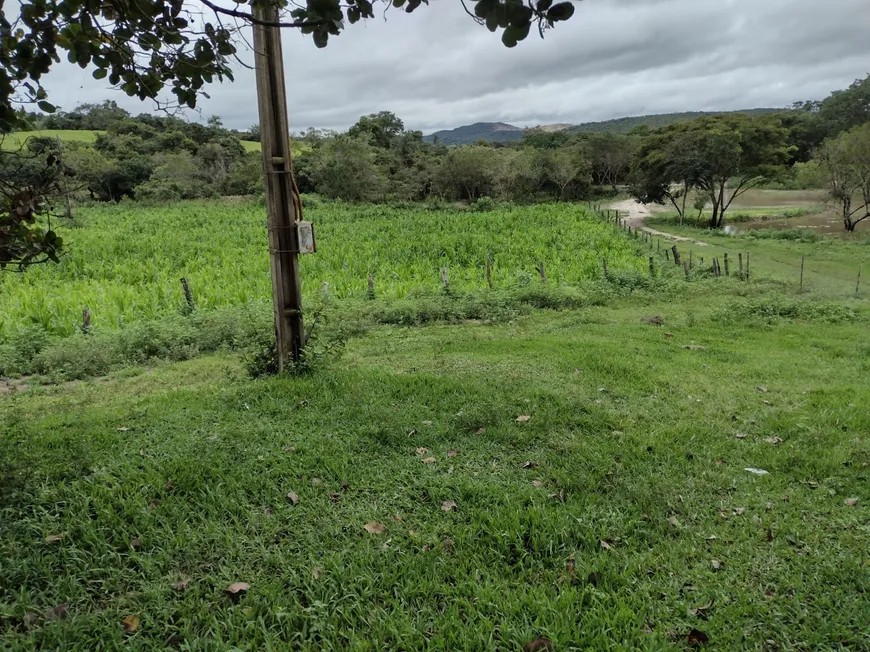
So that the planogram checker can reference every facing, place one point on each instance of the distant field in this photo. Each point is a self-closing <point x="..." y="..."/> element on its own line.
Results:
<point x="16" y="140"/>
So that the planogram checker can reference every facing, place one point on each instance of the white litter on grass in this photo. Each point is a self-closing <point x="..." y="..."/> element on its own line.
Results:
<point x="756" y="471"/>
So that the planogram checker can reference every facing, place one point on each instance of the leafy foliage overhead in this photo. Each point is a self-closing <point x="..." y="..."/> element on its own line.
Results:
<point x="142" y="47"/>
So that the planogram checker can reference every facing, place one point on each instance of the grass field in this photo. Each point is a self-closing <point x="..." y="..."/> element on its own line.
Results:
<point x="831" y="264"/>
<point x="580" y="475"/>
<point x="617" y="516"/>
<point x="125" y="261"/>
<point x="16" y="140"/>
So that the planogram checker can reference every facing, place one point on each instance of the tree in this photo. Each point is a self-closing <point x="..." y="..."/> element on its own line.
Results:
<point x="721" y="156"/>
<point x="381" y="128"/>
<point x="145" y="47"/>
<point x="568" y="167"/>
<point x="610" y="155"/>
<point x="345" y="167"/>
<point x="844" y="162"/>
<point x="467" y="172"/>
<point x="667" y="168"/>
<point x="847" y="108"/>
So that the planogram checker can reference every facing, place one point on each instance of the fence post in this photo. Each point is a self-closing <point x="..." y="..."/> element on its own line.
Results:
<point x="690" y="259"/>
<point x="444" y="279"/>
<point x="489" y="270"/>
<point x="802" y="272"/>
<point x="858" y="284"/>
<point x="727" y="270"/>
<point x="740" y="261"/>
<point x="658" y="245"/>
<point x="541" y="271"/>
<point x="652" y="267"/>
<point x="747" y="266"/>
<point x="667" y="254"/>
<point x="324" y="288"/>
<point x="86" y="321"/>
<point x="187" y="295"/>
<point x="370" y="293"/>
<point x="715" y="267"/>
<point x="604" y="265"/>
<point x="686" y="268"/>
<point x="676" y="255"/>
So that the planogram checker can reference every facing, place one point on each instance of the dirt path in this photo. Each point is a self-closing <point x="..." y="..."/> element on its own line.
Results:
<point x="637" y="214"/>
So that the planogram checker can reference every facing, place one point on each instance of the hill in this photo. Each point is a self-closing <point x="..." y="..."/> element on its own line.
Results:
<point x="625" y="125"/>
<point x="500" y="132"/>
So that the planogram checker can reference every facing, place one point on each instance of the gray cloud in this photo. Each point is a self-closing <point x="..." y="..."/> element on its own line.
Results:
<point x="437" y="69"/>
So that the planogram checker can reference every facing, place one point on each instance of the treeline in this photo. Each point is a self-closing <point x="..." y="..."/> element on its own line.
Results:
<point x="377" y="160"/>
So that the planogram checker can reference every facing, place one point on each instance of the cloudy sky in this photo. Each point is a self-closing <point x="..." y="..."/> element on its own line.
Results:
<point x="437" y="69"/>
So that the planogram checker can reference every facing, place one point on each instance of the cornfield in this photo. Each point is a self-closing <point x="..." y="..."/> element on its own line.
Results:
<point x="125" y="261"/>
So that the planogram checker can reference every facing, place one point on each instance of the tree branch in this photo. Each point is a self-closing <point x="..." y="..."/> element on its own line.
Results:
<point x="256" y="21"/>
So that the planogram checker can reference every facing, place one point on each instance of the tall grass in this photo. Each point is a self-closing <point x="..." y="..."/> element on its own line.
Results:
<point x="125" y="261"/>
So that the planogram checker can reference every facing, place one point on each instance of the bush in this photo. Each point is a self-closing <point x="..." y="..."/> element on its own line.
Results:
<point x="772" y="309"/>
<point x="793" y="235"/>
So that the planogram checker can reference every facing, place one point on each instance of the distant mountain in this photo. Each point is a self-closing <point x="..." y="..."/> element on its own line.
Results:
<point x="494" y="132"/>
<point x="500" y="132"/>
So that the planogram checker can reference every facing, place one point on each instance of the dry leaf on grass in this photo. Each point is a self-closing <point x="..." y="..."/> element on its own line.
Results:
<point x="481" y="431"/>
<point x="537" y="483"/>
<point x="452" y="453"/>
<point x="850" y="502"/>
<point x="673" y="521"/>
<point x="740" y="435"/>
<point x="448" y="506"/>
<point x="54" y="538"/>
<point x="316" y="481"/>
<point x="669" y="334"/>
<point x="715" y="564"/>
<point x="539" y="645"/>
<point x="606" y="545"/>
<point x="695" y="347"/>
<point x="374" y="528"/>
<point x="136" y="543"/>
<point x="774" y="441"/>
<point x="696" y="638"/>
<point x="131" y="624"/>
<point x="756" y="471"/>
<point x="426" y="423"/>
<point x="238" y="588"/>
<point x="422" y="450"/>
<point x="593" y="578"/>
<point x="289" y="449"/>
<point x="293" y="498"/>
<point x="57" y="613"/>
<point x="124" y="429"/>
<point x="429" y="460"/>
<point x="523" y="418"/>
<point x="760" y="388"/>
<point x="701" y="610"/>
<point x="529" y="465"/>
<point x="335" y="498"/>
<point x="182" y="585"/>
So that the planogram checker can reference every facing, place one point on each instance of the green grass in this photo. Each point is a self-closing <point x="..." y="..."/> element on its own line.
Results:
<point x="17" y="140"/>
<point x="830" y="264"/>
<point x="124" y="261"/>
<point x="736" y="215"/>
<point x="183" y="471"/>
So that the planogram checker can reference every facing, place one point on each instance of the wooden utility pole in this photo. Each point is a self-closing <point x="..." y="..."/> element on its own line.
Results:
<point x="281" y="207"/>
